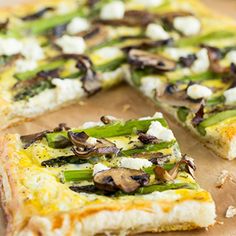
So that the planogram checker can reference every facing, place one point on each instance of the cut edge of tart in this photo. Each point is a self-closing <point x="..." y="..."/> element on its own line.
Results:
<point x="111" y="176"/>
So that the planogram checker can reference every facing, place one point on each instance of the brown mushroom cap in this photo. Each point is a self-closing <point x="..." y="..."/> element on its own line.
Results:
<point x="127" y="180"/>
<point x="142" y="59"/>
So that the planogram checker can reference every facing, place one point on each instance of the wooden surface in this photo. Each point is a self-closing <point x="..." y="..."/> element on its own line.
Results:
<point x="116" y="101"/>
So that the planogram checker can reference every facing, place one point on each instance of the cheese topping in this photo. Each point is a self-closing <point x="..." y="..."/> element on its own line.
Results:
<point x="135" y="163"/>
<point x="10" y="46"/>
<point x="157" y="130"/>
<point x="188" y="25"/>
<point x="150" y="83"/>
<point x="231" y="56"/>
<point x="91" y="124"/>
<point x="31" y="50"/>
<point x="176" y="53"/>
<point x="77" y="25"/>
<point x="155" y="116"/>
<point x="202" y="63"/>
<point x="71" y="44"/>
<point x="197" y="91"/>
<point x="230" y="96"/>
<point x="156" y="32"/>
<point x="148" y="3"/>
<point x="99" y="167"/>
<point x="113" y="10"/>
<point x="25" y="65"/>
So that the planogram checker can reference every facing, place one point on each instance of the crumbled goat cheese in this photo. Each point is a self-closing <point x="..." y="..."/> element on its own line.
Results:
<point x="99" y="167"/>
<point x="230" y="96"/>
<point x="77" y="25"/>
<point x="197" y="91"/>
<point x="150" y="85"/>
<point x="71" y="44"/>
<point x="135" y="163"/>
<point x="148" y="3"/>
<point x="231" y="56"/>
<point x="25" y="65"/>
<point x="10" y="46"/>
<point x="113" y="10"/>
<point x="188" y="25"/>
<point x="157" y="130"/>
<point x="176" y="53"/>
<point x="157" y="115"/>
<point x="202" y="63"/>
<point x="31" y="50"/>
<point x="222" y="178"/>
<point x="156" y="32"/>
<point x="107" y="54"/>
<point x="91" y="124"/>
<point x="91" y="140"/>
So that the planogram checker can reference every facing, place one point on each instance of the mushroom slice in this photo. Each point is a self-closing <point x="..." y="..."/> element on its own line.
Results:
<point x="147" y="139"/>
<point x="79" y="139"/>
<point x="91" y="83"/>
<point x="4" y="25"/>
<point x="109" y="120"/>
<point x="142" y="59"/>
<point x="198" y="118"/>
<point x="131" y="18"/>
<point x="38" y="14"/>
<point x="127" y="180"/>
<point x="214" y="55"/>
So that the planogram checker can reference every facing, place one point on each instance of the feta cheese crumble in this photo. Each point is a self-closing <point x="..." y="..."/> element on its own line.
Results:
<point x="176" y="53"/>
<point x="67" y="89"/>
<point x="99" y="167"/>
<point x="91" y="124"/>
<point x="156" y="32"/>
<point x="197" y="91"/>
<point x="135" y="163"/>
<point x="157" y="130"/>
<point x="150" y="84"/>
<point x="77" y="25"/>
<point x="10" y="46"/>
<point x="231" y="56"/>
<point x="113" y="10"/>
<point x="25" y="65"/>
<point x="202" y="63"/>
<point x="148" y="3"/>
<point x="188" y="25"/>
<point x="230" y="96"/>
<point x="91" y="140"/>
<point x="71" y="44"/>
<point x="31" y="50"/>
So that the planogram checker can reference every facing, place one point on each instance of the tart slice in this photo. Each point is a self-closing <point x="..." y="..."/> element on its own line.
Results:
<point x="110" y="176"/>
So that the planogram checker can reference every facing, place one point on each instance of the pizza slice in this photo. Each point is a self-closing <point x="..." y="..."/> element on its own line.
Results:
<point x="111" y="176"/>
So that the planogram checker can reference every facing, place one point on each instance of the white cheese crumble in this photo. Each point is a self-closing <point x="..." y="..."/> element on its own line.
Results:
<point x="113" y="10"/>
<point x="91" y="124"/>
<point x="230" y="96"/>
<point x="148" y="3"/>
<point x="67" y="89"/>
<point x="150" y="84"/>
<point x="202" y="63"/>
<point x="222" y="178"/>
<point x="176" y="53"/>
<point x="71" y="44"/>
<point x="25" y="65"/>
<point x="31" y="50"/>
<point x="157" y="130"/>
<point x="231" y="56"/>
<point x="157" y="115"/>
<point x="77" y="25"/>
<point x="135" y="163"/>
<point x="10" y="46"/>
<point x="197" y="91"/>
<point x="188" y="25"/>
<point x="99" y="167"/>
<point x="91" y="140"/>
<point x="156" y="32"/>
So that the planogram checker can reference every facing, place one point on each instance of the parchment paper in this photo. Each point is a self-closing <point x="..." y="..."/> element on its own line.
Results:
<point x="125" y="102"/>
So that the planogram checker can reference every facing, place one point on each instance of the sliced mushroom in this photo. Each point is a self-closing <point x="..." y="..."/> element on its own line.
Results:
<point x="91" y="83"/>
<point x="148" y="43"/>
<point x="83" y="149"/>
<point x="188" y="60"/>
<point x="38" y="14"/>
<point x="131" y="18"/>
<point x="109" y="119"/>
<point x="4" y="25"/>
<point x="127" y="180"/>
<point x="148" y="139"/>
<point x="176" y="97"/>
<point x="214" y="55"/>
<point x="163" y="175"/>
<point x="31" y="138"/>
<point x="198" y="117"/>
<point x="142" y="59"/>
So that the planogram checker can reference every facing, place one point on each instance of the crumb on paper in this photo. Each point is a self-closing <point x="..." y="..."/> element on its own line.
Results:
<point x="222" y="178"/>
<point x="231" y="212"/>
<point x="219" y="222"/>
<point x="81" y="103"/>
<point x="126" y="107"/>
